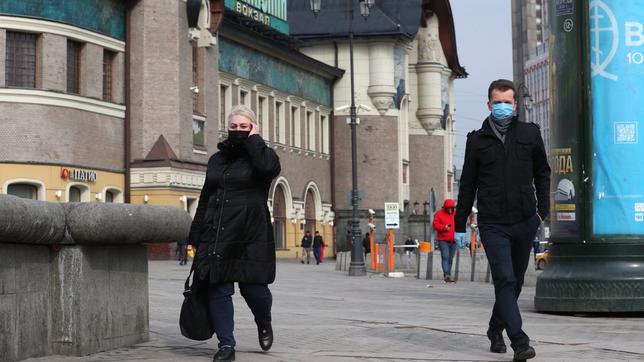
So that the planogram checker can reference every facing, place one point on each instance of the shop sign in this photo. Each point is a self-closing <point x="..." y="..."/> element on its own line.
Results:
<point x="78" y="175"/>
<point x="268" y="12"/>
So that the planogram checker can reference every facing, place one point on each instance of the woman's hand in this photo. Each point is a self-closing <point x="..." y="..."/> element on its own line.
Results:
<point x="253" y="129"/>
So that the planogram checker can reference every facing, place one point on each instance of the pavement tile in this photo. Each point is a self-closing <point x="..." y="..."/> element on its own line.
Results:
<point x="323" y="315"/>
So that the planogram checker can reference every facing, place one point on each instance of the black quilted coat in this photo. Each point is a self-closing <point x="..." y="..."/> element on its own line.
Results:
<point x="232" y="227"/>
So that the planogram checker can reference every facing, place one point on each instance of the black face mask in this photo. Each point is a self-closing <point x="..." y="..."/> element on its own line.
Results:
<point x="237" y="137"/>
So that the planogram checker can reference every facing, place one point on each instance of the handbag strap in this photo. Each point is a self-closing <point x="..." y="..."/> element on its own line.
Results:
<point x="192" y="268"/>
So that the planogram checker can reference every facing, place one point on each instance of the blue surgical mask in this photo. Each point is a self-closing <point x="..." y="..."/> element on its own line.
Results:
<point x="502" y="111"/>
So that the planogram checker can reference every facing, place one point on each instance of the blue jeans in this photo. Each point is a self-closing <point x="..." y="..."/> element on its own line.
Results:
<point x="508" y="251"/>
<point x="258" y="298"/>
<point x="316" y="254"/>
<point x="447" y="256"/>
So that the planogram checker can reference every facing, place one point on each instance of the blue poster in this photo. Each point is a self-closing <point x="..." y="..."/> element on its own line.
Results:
<point x="617" y="84"/>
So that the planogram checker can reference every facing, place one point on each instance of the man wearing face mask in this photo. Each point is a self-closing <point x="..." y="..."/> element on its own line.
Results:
<point x="233" y="232"/>
<point x="506" y="169"/>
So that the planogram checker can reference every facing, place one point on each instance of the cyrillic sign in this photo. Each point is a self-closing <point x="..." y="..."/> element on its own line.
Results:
<point x="78" y="175"/>
<point x="269" y="12"/>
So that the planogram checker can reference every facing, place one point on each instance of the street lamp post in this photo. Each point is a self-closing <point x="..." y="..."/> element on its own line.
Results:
<point x="357" y="266"/>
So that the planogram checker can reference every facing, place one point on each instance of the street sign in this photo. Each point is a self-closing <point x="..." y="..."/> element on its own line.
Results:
<point x="392" y="215"/>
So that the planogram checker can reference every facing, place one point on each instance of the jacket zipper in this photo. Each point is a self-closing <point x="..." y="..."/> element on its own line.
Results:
<point x="221" y="212"/>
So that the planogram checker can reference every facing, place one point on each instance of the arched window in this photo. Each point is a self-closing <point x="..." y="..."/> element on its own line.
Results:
<point x="279" y="218"/>
<point x="23" y="190"/>
<point x="191" y="205"/>
<point x="74" y="194"/>
<point x="309" y="211"/>
<point x="78" y="193"/>
<point x="109" y="196"/>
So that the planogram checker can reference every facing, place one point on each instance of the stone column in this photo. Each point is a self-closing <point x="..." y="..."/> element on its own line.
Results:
<point x="118" y="78"/>
<point x="429" y="69"/>
<point x="91" y="77"/>
<point x="272" y="118"/>
<point x="381" y="75"/>
<point x="54" y="63"/>
<point x="3" y="55"/>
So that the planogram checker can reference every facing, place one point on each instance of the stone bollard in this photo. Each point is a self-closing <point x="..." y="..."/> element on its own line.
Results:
<point x="74" y="277"/>
<point x="437" y="266"/>
<point x="347" y="260"/>
<point x="423" y="265"/>
<point x="481" y="268"/>
<point x="464" y="265"/>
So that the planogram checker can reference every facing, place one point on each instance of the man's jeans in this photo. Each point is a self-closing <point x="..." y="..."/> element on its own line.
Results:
<point x="447" y="256"/>
<point x="508" y="251"/>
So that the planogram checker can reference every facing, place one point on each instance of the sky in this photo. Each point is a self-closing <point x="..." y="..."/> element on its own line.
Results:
<point x="484" y="44"/>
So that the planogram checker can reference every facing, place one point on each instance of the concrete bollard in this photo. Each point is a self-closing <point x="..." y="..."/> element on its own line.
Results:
<point x="464" y="265"/>
<point x="437" y="266"/>
<point x="423" y="265"/>
<point x="481" y="267"/>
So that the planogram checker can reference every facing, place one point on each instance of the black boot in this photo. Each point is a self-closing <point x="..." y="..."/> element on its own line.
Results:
<point x="225" y="353"/>
<point x="497" y="345"/>
<point x="523" y="353"/>
<point x="265" y="335"/>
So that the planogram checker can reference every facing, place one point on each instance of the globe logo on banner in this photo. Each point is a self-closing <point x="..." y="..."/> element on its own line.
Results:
<point x="604" y="36"/>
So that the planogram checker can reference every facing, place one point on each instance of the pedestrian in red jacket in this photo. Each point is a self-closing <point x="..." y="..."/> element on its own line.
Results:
<point x="444" y="226"/>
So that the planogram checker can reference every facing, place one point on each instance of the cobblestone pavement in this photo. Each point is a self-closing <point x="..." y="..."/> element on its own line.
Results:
<point x="323" y="315"/>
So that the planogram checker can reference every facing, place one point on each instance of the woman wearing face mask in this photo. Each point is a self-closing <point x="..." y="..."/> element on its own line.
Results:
<point x="233" y="232"/>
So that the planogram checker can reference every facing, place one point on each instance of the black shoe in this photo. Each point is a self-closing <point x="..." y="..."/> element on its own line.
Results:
<point x="225" y="353"/>
<point x="523" y="353"/>
<point x="497" y="345"/>
<point x="265" y="335"/>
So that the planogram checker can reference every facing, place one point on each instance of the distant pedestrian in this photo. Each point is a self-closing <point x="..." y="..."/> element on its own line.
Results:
<point x="305" y="243"/>
<point x="506" y="169"/>
<point x="366" y="243"/>
<point x="318" y="244"/>
<point x="444" y="226"/>
<point x="233" y="232"/>
<point x="536" y="246"/>
<point x="410" y="246"/>
<point x="182" y="248"/>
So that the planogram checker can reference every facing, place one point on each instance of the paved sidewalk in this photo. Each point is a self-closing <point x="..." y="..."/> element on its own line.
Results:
<point x="323" y="315"/>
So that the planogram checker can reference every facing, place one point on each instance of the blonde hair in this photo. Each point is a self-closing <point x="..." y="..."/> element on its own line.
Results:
<point x="242" y="110"/>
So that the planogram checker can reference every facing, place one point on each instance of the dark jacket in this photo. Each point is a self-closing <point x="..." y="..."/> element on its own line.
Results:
<point x="366" y="243"/>
<point x="318" y="241"/>
<point x="306" y="241"/>
<point x="232" y="226"/>
<point x="503" y="176"/>
<point x="411" y="245"/>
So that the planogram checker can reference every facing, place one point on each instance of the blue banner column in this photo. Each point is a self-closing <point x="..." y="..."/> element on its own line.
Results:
<point x="596" y="261"/>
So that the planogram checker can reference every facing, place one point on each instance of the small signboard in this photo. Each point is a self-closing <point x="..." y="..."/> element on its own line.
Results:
<point x="564" y="7"/>
<point x="392" y="215"/>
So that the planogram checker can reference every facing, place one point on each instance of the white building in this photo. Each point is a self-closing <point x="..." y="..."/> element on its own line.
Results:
<point x="405" y="63"/>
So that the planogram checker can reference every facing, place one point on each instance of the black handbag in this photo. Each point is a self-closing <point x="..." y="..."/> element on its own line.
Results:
<point x="194" y="319"/>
